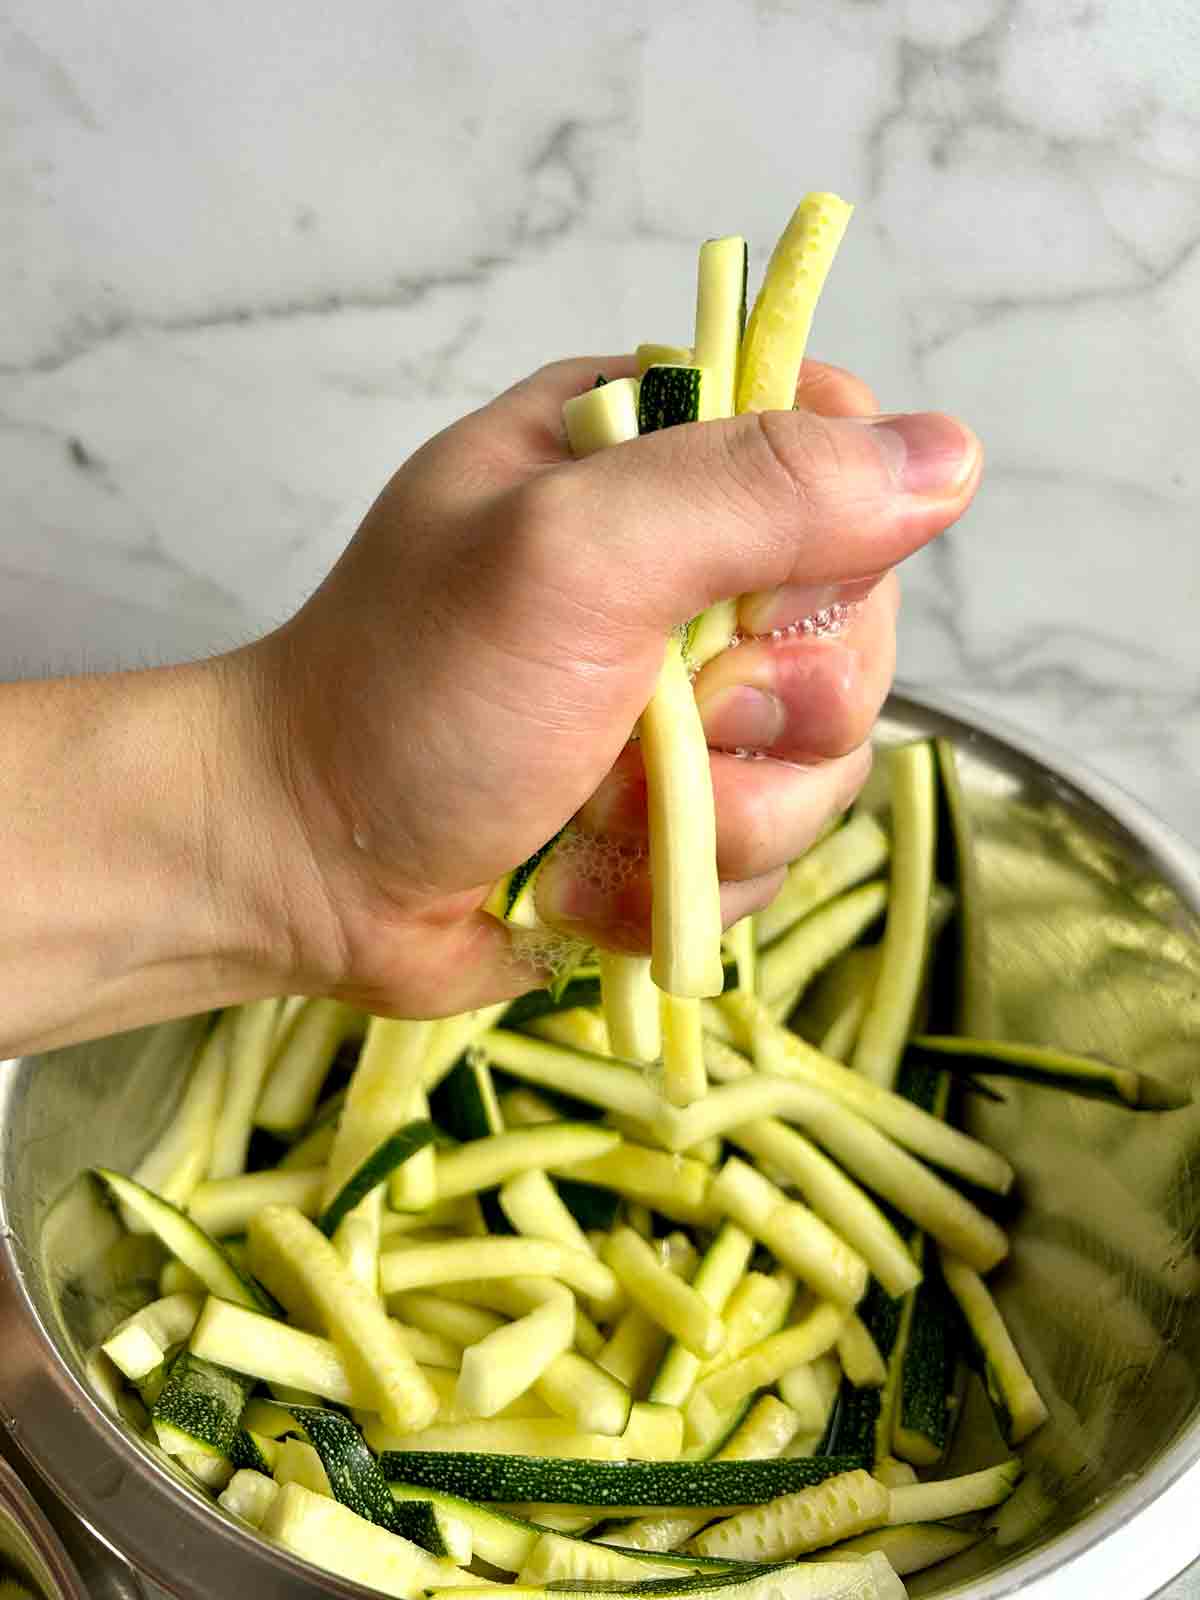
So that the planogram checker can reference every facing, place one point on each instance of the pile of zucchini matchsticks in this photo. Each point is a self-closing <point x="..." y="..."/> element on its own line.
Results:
<point x="662" y="1280"/>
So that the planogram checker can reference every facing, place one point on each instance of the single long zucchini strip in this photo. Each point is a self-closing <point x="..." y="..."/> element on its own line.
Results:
<point x="610" y="1484"/>
<point x="686" y="910"/>
<point x="835" y="1198"/>
<point x="452" y="1036"/>
<point x="675" y="1185"/>
<point x="224" y="1206"/>
<point x="300" y="1065"/>
<point x="184" y="1239"/>
<point x="973" y="981"/>
<point x="486" y="1163"/>
<point x="794" y="1235"/>
<point x="769" y="1427"/>
<point x="1057" y="1069"/>
<point x="139" y="1344"/>
<point x="684" y="1079"/>
<point x="720" y="320"/>
<point x="354" y="1476"/>
<point x="179" y="1160"/>
<point x="506" y="1363"/>
<point x="594" y="1079"/>
<point x="910" y="1548"/>
<point x="261" y="1347"/>
<point x="780" y="1052"/>
<point x="673" y="1304"/>
<point x="864" y="1578"/>
<point x="722" y="1269"/>
<point x="786" y="969"/>
<point x="558" y="1558"/>
<point x="378" y="1099"/>
<point x="294" y="1258"/>
<point x="534" y="1207"/>
<point x="928" y="1394"/>
<point x="630" y="1002"/>
<point x="777" y="332"/>
<point x="847" y="856"/>
<point x="249" y="1059"/>
<point x="1020" y="1409"/>
<point x="954" y="1497"/>
<point x="762" y="1365"/>
<point x="841" y="1508"/>
<point x="889" y="1018"/>
<point x="501" y="1541"/>
<point x="460" y="1259"/>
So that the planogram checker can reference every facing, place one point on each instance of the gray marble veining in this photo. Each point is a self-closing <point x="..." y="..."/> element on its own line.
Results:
<point x="252" y="256"/>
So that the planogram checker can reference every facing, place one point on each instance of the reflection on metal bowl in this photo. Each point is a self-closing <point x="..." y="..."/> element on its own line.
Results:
<point x="1093" y="935"/>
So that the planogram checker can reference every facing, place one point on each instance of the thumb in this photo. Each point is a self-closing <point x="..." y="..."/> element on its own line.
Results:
<point x="696" y="513"/>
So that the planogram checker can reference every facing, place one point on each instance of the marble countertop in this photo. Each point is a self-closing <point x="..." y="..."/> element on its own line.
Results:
<point x="253" y="255"/>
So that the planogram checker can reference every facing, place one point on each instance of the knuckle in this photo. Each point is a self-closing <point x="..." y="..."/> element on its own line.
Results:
<point x="800" y="460"/>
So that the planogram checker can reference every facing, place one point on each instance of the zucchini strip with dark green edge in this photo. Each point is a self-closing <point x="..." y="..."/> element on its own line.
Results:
<point x="1056" y="1069"/>
<point x="927" y="1398"/>
<point x="617" y="1483"/>
<point x="189" y="1242"/>
<point x="356" y="1480"/>
<point x="199" y="1408"/>
<point x="903" y="953"/>
<point x="968" y="998"/>
<point x="400" y="1147"/>
<point x="860" y="1427"/>
<point x="1018" y="1407"/>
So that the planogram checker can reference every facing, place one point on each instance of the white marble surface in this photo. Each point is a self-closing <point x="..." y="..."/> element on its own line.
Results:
<point x="252" y="255"/>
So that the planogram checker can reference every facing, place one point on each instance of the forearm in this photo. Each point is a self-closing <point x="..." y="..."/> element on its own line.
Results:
<point x="140" y="853"/>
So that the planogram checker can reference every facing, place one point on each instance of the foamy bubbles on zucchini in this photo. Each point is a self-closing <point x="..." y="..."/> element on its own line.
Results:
<point x="605" y="863"/>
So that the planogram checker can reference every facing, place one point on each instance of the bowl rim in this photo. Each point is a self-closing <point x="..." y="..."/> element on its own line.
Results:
<point x="126" y="1500"/>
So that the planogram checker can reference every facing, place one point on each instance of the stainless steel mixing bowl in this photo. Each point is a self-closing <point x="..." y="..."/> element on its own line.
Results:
<point x="1092" y="918"/>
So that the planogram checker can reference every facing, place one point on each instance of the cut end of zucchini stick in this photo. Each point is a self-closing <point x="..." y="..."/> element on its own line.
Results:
<point x="686" y="931"/>
<point x="601" y="417"/>
<point x="777" y="332"/>
<point x="684" y="1078"/>
<point x="630" y="1002"/>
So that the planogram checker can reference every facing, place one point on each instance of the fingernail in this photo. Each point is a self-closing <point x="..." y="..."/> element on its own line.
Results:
<point x="926" y="452"/>
<point x="742" y="718"/>
<point x="793" y="602"/>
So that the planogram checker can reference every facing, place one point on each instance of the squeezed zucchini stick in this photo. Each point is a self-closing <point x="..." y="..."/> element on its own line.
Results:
<point x="903" y="959"/>
<point x="686" y="911"/>
<point x="777" y="332"/>
<point x="684" y="1078"/>
<point x="630" y="1001"/>
<point x="1057" y="1069"/>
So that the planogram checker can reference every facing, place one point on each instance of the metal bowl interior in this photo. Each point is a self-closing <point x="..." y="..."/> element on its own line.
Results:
<point x="1093" y="927"/>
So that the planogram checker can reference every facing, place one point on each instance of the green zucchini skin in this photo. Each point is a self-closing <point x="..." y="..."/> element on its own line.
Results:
<point x="925" y="1411"/>
<point x="356" y="1480"/>
<point x="245" y="1453"/>
<point x="203" y="1401"/>
<point x="582" y="988"/>
<point x="377" y="1168"/>
<point x="606" y="1483"/>
<point x="855" y="1420"/>
<point x="668" y="396"/>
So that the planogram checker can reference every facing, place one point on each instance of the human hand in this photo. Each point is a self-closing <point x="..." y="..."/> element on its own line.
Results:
<point x="467" y="678"/>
